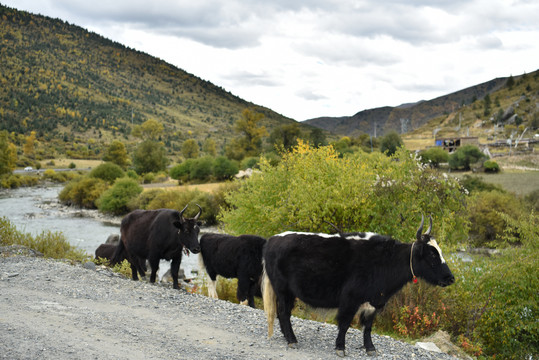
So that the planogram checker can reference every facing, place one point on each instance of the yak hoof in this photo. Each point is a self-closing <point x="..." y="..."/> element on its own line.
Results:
<point x="371" y="352"/>
<point x="293" y="345"/>
<point x="244" y="302"/>
<point x="340" y="353"/>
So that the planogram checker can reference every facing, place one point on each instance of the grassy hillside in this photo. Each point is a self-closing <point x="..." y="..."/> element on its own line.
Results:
<point x="73" y="86"/>
<point x="444" y="114"/>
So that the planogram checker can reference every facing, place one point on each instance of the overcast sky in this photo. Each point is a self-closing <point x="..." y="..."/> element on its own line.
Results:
<point x="307" y="59"/>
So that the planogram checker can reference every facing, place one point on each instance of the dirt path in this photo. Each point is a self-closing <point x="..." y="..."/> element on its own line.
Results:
<point x="54" y="310"/>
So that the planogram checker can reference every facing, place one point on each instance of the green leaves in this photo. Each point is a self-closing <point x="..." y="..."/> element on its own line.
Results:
<point x="312" y="189"/>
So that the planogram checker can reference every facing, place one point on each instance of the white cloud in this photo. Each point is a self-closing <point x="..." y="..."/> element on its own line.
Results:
<point x="306" y="59"/>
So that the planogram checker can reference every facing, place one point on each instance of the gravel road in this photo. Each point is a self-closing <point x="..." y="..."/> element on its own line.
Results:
<point x="50" y="309"/>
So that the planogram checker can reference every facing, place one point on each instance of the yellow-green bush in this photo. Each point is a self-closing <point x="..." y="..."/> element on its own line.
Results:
<point x="83" y="191"/>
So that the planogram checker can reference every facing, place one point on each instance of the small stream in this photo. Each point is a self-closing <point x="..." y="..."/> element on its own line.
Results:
<point x="36" y="209"/>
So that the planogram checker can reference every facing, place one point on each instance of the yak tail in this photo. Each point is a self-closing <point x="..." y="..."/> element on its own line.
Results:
<point x="270" y="301"/>
<point x="119" y="254"/>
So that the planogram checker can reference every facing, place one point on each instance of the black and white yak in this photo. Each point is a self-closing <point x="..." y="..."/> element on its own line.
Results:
<point x="352" y="272"/>
<point x="155" y="235"/>
<point x="233" y="257"/>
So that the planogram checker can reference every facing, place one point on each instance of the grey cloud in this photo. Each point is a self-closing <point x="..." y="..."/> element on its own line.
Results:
<point x="308" y="94"/>
<point x="246" y="78"/>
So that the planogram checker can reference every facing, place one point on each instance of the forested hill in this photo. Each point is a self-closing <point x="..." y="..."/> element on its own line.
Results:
<point x="67" y="83"/>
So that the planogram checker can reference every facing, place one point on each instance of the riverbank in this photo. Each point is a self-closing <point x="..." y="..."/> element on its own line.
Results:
<point x="54" y="310"/>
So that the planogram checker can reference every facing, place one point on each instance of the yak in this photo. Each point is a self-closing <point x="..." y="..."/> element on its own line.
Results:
<point x="155" y="235"/>
<point x="352" y="272"/>
<point x="233" y="257"/>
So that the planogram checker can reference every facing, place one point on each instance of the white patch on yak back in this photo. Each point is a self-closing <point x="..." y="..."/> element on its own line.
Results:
<point x="361" y="236"/>
<point x="434" y="244"/>
<point x="308" y="233"/>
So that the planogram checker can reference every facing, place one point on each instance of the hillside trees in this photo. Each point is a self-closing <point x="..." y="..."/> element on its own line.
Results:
<point x="249" y="142"/>
<point x="285" y="136"/>
<point x="8" y="154"/>
<point x="150" y="155"/>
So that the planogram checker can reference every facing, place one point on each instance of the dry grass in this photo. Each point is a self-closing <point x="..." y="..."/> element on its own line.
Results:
<point x="170" y="185"/>
<point x="420" y="143"/>
<point x="64" y="163"/>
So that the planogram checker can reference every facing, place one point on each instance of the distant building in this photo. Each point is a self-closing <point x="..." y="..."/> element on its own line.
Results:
<point x="451" y="144"/>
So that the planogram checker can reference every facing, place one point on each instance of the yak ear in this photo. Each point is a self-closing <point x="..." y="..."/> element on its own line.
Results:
<point x="178" y="223"/>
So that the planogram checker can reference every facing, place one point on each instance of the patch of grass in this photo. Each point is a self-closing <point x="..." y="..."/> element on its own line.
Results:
<point x="518" y="182"/>
<point x="50" y="244"/>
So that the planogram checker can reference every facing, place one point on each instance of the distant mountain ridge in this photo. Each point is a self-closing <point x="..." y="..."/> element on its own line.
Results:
<point x="379" y="121"/>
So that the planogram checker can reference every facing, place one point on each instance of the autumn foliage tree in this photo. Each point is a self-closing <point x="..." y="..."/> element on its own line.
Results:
<point x="249" y="142"/>
<point x="117" y="154"/>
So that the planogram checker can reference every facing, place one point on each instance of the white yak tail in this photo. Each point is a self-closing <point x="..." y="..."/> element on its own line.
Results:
<point x="270" y="301"/>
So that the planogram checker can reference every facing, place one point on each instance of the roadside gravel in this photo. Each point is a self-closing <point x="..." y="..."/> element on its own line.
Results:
<point x="50" y="309"/>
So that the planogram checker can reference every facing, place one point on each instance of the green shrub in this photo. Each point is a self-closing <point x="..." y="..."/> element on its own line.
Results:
<point x="50" y="244"/>
<point x="12" y="181"/>
<point x="144" y="198"/>
<point x="107" y="171"/>
<point x="83" y="191"/>
<point x="182" y="171"/>
<point x="491" y="166"/>
<point x="532" y="200"/>
<point x="58" y="177"/>
<point x="312" y="189"/>
<point x="173" y="199"/>
<point x="249" y="162"/>
<point x="148" y="178"/>
<point x="486" y="223"/>
<point x="493" y="303"/>
<point x="201" y="169"/>
<point x="132" y="174"/>
<point x="465" y="156"/>
<point x="116" y="199"/>
<point x="434" y="156"/>
<point x="224" y="169"/>
<point x="72" y="165"/>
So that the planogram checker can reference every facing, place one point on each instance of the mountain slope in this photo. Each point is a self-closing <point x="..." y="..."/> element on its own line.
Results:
<point x="408" y="117"/>
<point x="65" y="82"/>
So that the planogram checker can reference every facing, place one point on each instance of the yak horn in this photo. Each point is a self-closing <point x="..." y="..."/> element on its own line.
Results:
<point x="200" y="212"/>
<point x="430" y="226"/>
<point x="181" y="212"/>
<point x="418" y="234"/>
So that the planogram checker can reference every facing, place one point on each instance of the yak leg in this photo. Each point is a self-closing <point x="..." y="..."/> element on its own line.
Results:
<point x="251" y="295"/>
<point x="134" y="273"/>
<point x="154" y="265"/>
<point x="242" y="292"/>
<point x="367" y="318"/>
<point x="344" y="318"/>
<point x="174" y="269"/>
<point x="285" y="303"/>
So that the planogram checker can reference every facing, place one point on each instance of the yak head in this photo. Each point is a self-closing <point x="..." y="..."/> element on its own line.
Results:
<point x="427" y="261"/>
<point x="188" y="229"/>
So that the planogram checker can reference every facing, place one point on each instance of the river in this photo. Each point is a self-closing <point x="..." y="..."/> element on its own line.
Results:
<point x="36" y="209"/>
